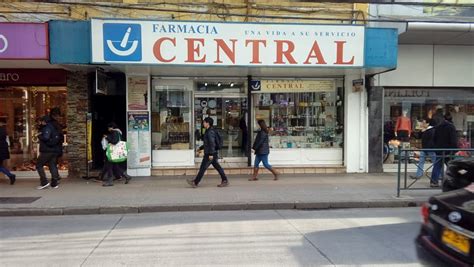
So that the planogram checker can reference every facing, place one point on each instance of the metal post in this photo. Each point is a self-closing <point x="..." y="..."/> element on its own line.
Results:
<point x="442" y="166"/>
<point x="399" y="169"/>
<point x="406" y="169"/>
<point x="250" y="121"/>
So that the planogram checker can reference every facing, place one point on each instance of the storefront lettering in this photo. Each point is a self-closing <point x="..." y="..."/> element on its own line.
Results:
<point x="283" y="85"/>
<point x="4" y="45"/>
<point x="9" y="77"/>
<point x="407" y="93"/>
<point x="179" y="28"/>
<point x="283" y="52"/>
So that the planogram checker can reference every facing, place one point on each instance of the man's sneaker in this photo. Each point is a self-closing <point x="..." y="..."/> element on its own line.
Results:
<point x="415" y="177"/>
<point x="223" y="184"/>
<point x="54" y="184"/>
<point x="191" y="182"/>
<point x="12" y="179"/>
<point x="43" y="186"/>
<point x="434" y="185"/>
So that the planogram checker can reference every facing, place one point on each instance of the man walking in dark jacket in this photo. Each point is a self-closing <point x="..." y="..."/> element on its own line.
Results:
<point x="51" y="147"/>
<point x="444" y="137"/>
<point x="211" y="140"/>
<point x="427" y="142"/>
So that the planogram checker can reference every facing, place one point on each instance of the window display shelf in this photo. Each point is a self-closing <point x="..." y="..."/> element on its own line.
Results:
<point x="302" y="119"/>
<point x="171" y="119"/>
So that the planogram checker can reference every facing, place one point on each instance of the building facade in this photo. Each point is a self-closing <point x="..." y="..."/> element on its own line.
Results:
<point x="306" y="80"/>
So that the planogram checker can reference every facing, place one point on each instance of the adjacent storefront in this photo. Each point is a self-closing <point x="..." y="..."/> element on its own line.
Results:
<point x="28" y="94"/>
<point x="432" y="81"/>
<point x="407" y="111"/>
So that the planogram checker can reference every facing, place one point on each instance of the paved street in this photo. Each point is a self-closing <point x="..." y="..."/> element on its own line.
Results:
<point x="362" y="237"/>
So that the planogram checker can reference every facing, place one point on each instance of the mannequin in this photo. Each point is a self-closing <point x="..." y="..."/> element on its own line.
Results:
<point x="403" y="127"/>
<point x="459" y="119"/>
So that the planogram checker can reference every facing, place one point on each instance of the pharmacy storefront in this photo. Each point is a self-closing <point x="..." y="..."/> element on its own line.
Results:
<point x="300" y="78"/>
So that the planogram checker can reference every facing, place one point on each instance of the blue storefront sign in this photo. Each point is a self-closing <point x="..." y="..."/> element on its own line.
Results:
<point x="71" y="43"/>
<point x="122" y="42"/>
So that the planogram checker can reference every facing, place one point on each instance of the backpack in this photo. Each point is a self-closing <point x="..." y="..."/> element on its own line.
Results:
<point x="219" y="141"/>
<point x="56" y="137"/>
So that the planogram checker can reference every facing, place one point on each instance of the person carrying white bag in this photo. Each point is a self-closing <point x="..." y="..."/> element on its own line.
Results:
<point x="117" y="151"/>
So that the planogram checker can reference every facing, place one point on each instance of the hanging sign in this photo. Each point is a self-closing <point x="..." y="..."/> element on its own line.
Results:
<point x="226" y="44"/>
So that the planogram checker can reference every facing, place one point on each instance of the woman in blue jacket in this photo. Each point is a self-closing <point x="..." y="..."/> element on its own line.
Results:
<point x="261" y="148"/>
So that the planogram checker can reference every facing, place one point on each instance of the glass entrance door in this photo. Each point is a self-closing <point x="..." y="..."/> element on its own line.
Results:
<point x="230" y="119"/>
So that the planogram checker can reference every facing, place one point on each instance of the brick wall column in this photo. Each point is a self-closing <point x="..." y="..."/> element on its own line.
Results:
<point x="77" y="108"/>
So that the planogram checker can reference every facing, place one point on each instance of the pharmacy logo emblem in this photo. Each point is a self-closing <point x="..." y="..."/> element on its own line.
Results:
<point x="122" y="42"/>
<point x="256" y="85"/>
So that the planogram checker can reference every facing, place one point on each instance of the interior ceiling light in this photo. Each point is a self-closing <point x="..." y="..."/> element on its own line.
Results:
<point x="219" y="84"/>
<point x="231" y="84"/>
<point x="205" y="84"/>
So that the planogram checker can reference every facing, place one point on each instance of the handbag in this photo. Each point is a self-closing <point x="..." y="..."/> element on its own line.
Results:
<point x="117" y="153"/>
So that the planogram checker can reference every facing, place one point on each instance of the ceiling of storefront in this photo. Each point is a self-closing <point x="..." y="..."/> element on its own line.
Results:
<point x="234" y="71"/>
<point x="30" y="64"/>
<point x="199" y="71"/>
<point x="437" y="38"/>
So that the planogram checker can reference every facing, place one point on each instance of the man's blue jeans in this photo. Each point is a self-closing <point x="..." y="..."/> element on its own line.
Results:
<point x="421" y="163"/>
<point x="437" y="170"/>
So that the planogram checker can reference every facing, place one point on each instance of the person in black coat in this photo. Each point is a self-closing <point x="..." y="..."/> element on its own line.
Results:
<point x="113" y="168"/>
<point x="210" y="139"/>
<point x="51" y="148"/>
<point x="5" y="152"/>
<point x="445" y="137"/>
<point x="261" y="148"/>
<point x="427" y="142"/>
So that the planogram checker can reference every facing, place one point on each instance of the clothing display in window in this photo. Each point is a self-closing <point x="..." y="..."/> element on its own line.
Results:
<point x="460" y="120"/>
<point x="403" y="128"/>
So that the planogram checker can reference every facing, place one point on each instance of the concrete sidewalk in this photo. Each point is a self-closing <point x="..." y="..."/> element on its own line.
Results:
<point x="155" y="194"/>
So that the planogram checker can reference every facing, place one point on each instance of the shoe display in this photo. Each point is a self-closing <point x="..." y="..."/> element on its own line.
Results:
<point x="43" y="186"/>
<point x="223" y="184"/>
<point x="12" y="179"/>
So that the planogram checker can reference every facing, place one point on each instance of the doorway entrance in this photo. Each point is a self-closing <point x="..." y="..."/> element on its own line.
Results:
<point x="229" y="115"/>
<point x="226" y="104"/>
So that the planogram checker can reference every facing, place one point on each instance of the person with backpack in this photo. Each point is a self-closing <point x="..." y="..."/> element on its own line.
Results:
<point x="212" y="144"/>
<point x="261" y="147"/>
<point x="51" y="148"/>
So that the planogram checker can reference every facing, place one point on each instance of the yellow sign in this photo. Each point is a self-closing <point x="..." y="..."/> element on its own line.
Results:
<point x="295" y="86"/>
<point x="89" y="138"/>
